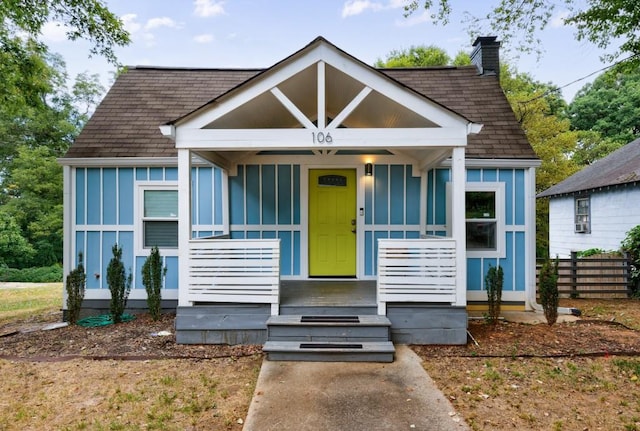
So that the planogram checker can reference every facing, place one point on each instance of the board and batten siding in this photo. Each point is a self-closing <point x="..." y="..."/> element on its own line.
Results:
<point x="513" y="263"/>
<point x="104" y="214"/>
<point x="613" y="213"/>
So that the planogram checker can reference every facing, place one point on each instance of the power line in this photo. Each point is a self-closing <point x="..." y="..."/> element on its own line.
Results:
<point x="557" y="89"/>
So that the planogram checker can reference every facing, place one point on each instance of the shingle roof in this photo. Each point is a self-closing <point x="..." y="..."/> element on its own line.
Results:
<point x="620" y="167"/>
<point x="126" y="123"/>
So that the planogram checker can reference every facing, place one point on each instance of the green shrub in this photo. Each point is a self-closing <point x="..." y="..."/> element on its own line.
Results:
<point x="45" y="274"/>
<point x="152" y="273"/>
<point x="631" y="245"/>
<point x="549" y="290"/>
<point x="493" y="282"/>
<point x="119" y="285"/>
<point x="75" y="291"/>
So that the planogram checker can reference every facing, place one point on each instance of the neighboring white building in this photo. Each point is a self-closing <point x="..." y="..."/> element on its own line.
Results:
<point x="596" y="207"/>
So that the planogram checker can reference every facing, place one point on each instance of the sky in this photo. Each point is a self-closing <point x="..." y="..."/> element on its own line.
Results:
<point x="259" y="33"/>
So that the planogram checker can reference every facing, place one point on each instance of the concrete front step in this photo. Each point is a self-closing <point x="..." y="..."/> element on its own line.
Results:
<point x="326" y="328"/>
<point x="368" y="351"/>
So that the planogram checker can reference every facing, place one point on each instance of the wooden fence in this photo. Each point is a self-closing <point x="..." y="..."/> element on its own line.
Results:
<point x="598" y="276"/>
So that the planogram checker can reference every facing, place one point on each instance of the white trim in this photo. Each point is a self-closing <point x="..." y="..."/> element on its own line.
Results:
<point x="184" y="224"/>
<point x="136" y="294"/>
<point x="322" y="113"/>
<point x="530" y="241"/>
<point x="264" y="139"/>
<point x="458" y="230"/>
<point x="496" y="163"/>
<point x="292" y="108"/>
<point x="499" y="189"/>
<point x="67" y="227"/>
<point x="138" y="215"/>
<point x="507" y="295"/>
<point x="123" y="162"/>
<point x="355" y="102"/>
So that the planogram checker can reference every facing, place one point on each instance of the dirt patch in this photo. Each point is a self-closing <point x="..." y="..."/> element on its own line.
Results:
<point x="570" y="376"/>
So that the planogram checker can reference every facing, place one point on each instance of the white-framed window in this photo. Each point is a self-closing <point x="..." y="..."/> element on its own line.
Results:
<point x="582" y="213"/>
<point x="157" y="216"/>
<point x="484" y="219"/>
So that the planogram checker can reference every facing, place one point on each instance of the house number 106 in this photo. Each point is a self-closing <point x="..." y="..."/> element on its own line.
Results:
<point x="321" y="138"/>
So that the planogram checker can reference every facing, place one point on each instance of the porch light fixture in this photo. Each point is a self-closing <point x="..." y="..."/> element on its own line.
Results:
<point x="368" y="169"/>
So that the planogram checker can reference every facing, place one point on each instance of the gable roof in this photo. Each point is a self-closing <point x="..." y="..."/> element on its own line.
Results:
<point x="126" y="123"/>
<point x="620" y="167"/>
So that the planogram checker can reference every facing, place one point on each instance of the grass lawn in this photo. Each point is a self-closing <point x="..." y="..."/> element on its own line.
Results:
<point x="22" y="301"/>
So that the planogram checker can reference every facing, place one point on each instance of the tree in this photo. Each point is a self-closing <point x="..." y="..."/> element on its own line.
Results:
<point x="15" y="251"/>
<point x="83" y="19"/>
<point x="542" y="115"/>
<point x="152" y="273"/>
<point x="119" y="285"/>
<point x="421" y="56"/>
<point x="609" y="106"/>
<point x="517" y="22"/>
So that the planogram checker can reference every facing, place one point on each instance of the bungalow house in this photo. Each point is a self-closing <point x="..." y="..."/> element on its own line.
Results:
<point x="317" y="195"/>
<point x="597" y="206"/>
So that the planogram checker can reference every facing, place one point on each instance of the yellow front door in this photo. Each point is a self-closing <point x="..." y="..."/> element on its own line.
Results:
<point x="332" y="223"/>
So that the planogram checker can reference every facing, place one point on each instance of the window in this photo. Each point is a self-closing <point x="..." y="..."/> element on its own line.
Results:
<point x="582" y="219"/>
<point x="481" y="221"/>
<point x="160" y="218"/>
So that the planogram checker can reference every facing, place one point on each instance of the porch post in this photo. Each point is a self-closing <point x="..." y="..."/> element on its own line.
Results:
<point x="184" y="224"/>
<point x="68" y="259"/>
<point x="458" y="230"/>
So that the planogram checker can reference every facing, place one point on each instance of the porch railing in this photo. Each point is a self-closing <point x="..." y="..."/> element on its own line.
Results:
<point x="416" y="270"/>
<point x="234" y="270"/>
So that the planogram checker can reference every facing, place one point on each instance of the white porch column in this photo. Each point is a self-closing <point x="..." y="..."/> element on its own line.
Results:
<point x="458" y="229"/>
<point x="184" y="224"/>
<point x="67" y="223"/>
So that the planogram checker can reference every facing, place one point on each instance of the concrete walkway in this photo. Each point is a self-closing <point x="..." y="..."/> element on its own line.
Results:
<point x="336" y="396"/>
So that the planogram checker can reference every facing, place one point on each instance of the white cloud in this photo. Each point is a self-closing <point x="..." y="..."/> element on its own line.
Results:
<point x="204" y="38"/>
<point x="356" y="7"/>
<point x="54" y="32"/>
<point x="160" y="22"/>
<point x="558" y="20"/>
<point x="414" y="20"/>
<point x="206" y="8"/>
<point x="130" y="23"/>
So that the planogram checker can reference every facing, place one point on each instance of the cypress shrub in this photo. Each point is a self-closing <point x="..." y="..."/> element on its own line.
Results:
<point x="493" y="282"/>
<point x="119" y="285"/>
<point x="75" y="291"/>
<point x="549" y="290"/>
<point x="152" y="273"/>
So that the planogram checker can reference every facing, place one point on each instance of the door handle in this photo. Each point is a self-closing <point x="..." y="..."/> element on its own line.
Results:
<point x="353" y="225"/>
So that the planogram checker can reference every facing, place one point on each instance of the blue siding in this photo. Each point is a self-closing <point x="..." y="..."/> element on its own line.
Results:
<point x="520" y="261"/>
<point x="286" y="248"/>
<point x="253" y="234"/>
<point x="284" y="194"/>
<point x="381" y="194"/>
<point x="171" y="279"/>
<point x="507" y="263"/>
<point x="489" y="175"/>
<point x="93" y="196"/>
<point x="268" y="194"/>
<point x="93" y="259"/>
<point x="368" y="200"/>
<point x="138" y="282"/>
<point x="368" y="253"/>
<point x="125" y="196"/>
<point x="236" y="196"/>
<point x="171" y="174"/>
<point x="80" y="196"/>
<point x="442" y="177"/>
<point x="142" y="174"/>
<point x="156" y="174"/>
<point x="253" y="194"/>
<point x="205" y="196"/>
<point x="396" y="234"/>
<point x="474" y="175"/>
<point x="413" y="197"/>
<point x="412" y="234"/>
<point x="125" y="240"/>
<point x="376" y="237"/>
<point x="520" y="197"/>
<point x="397" y="196"/>
<point x="80" y="249"/>
<point x="487" y="263"/>
<point x="296" y="253"/>
<point x="474" y="274"/>
<point x="109" y="239"/>
<point x="430" y="196"/>
<point x="109" y="196"/>
<point x="506" y="176"/>
<point x="296" y="194"/>
<point x="217" y="196"/>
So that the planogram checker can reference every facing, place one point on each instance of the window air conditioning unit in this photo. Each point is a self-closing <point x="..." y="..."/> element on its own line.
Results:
<point x="581" y="228"/>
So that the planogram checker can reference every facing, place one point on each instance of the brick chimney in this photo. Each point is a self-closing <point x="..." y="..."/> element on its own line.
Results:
<point x="486" y="55"/>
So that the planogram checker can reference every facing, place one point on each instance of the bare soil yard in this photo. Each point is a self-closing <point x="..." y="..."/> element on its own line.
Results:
<point x="578" y="376"/>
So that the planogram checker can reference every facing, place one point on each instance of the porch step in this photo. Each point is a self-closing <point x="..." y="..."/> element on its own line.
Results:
<point x="368" y="351"/>
<point x="329" y="338"/>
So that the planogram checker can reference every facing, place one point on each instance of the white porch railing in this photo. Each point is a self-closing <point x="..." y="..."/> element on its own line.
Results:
<point x="234" y="270"/>
<point x="416" y="270"/>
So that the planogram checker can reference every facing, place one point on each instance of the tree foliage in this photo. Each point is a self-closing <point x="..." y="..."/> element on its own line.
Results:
<point x="518" y="22"/>
<point x="152" y="273"/>
<point x="548" y="287"/>
<point x="493" y="283"/>
<point x="75" y="286"/>
<point x="609" y="106"/>
<point x="422" y="56"/>
<point x="82" y="19"/>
